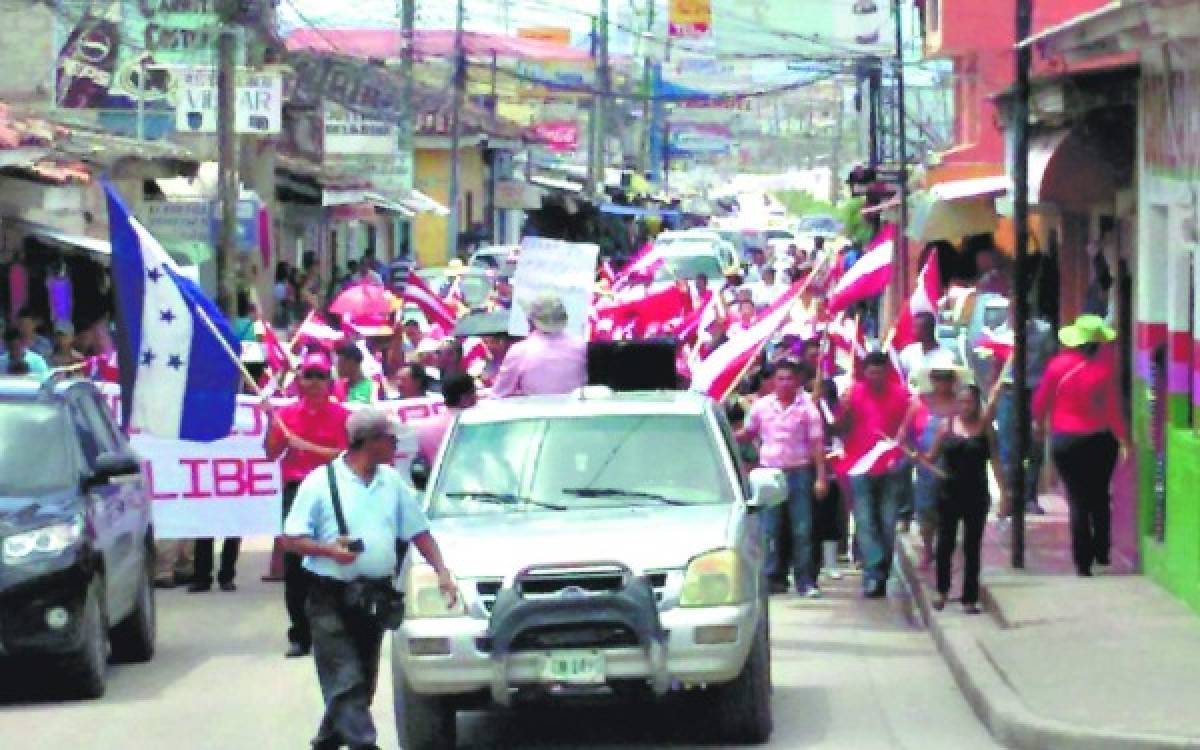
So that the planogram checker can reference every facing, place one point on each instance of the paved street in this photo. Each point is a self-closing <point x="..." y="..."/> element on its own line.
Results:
<point x="848" y="674"/>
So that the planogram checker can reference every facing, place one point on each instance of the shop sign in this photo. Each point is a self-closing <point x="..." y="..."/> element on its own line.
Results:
<point x="365" y="89"/>
<point x="258" y="106"/>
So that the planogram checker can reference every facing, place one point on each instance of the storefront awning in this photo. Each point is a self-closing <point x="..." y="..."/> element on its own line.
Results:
<point x="556" y="184"/>
<point x="341" y="199"/>
<point x="953" y="210"/>
<point x="420" y="203"/>
<point x="92" y="245"/>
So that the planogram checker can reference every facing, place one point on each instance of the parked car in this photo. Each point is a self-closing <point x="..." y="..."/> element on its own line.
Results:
<point x="76" y="538"/>
<point x="607" y="545"/>
<point x="689" y="253"/>
<point x="502" y="258"/>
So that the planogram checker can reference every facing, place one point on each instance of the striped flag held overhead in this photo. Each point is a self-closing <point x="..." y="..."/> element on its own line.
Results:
<point x="436" y="310"/>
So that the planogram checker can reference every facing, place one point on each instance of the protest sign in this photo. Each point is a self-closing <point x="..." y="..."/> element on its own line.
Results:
<point x="228" y="487"/>
<point x="546" y="266"/>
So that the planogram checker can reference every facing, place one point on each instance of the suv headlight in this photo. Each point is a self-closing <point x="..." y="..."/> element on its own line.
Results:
<point x="48" y="540"/>
<point x="713" y="579"/>
<point x="423" y="598"/>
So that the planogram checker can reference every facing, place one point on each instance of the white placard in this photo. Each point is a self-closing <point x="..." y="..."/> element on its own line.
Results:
<point x="258" y="108"/>
<point x="546" y="266"/>
<point x="350" y="133"/>
<point x="228" y="487"/>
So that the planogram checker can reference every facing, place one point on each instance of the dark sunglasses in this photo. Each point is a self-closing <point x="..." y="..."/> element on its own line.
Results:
<point x="314" y="375"/>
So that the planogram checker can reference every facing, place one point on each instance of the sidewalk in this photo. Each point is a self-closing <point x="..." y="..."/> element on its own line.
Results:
<point x="1058" y="661"/>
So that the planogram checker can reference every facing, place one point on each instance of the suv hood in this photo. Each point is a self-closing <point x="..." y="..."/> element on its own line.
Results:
<point x="498" y="545"/>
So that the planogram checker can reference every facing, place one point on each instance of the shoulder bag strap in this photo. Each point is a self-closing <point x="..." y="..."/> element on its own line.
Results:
<point x="1058" y="387"/>
<point x="335" y="498"/>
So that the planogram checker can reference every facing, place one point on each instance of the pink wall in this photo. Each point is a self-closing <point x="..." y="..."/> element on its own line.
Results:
<point x="978" y="36"/>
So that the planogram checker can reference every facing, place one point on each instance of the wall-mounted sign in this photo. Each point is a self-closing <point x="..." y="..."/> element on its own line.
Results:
<point x="367" y="90"/>
<point x="347" y="132"/>
<point x="258" y="108"/>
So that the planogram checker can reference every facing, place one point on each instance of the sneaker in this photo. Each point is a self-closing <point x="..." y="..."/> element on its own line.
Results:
<point x="808" y="592"/>
<point x="296" y="650"/>
<point x="875" y="591"/>
<point x="832" y="574"/>
<point x="199" y="587"/>
<point x="971" y="608"/>
<point x="228" y="586"/>
<point x="1033" y="508"/>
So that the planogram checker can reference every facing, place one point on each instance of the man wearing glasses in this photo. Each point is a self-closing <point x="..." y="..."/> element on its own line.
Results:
<point x="305" y="435"/>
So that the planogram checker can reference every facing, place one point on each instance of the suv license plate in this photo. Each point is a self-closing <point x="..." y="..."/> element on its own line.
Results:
<point x="573" y="667"/>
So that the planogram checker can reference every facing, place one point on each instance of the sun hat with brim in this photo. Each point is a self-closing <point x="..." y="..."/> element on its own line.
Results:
<point x="548" y="314"/>
<point x="1087" y="329"/>
<point x="940" y="362"/>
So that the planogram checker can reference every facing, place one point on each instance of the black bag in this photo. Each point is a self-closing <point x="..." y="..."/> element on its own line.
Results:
<point x="376" y="597"/>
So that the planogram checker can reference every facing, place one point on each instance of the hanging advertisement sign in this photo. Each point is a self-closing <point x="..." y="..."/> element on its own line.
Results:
<point x="693" y="138"/>
<point x="540" y="79"/>
<point x="258" y="108"/>
<point x="689" y="19"/>
<point x="560" y="136"/>
<point x="550" y="34"/>
<point x="350" y="133"/>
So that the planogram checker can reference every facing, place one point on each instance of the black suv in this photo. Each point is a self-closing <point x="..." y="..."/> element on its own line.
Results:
<point x="76" y="539"/>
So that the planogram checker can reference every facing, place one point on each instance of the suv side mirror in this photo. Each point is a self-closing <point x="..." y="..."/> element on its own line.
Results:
<point x="419" y="472"/>
<point x="113" y="464"/>
<point x="768" y="488"/>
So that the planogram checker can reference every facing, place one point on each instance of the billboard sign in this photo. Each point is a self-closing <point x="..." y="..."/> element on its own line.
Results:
<point x="258" y="106"/>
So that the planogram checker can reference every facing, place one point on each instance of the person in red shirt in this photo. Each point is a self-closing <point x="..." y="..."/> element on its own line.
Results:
<point x="304" y="436"/>
<point x="1079" y="400"/>
<point x="874" y="410"/>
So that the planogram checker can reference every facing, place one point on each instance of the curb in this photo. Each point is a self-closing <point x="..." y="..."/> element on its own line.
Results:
<point x="992" y="698"/>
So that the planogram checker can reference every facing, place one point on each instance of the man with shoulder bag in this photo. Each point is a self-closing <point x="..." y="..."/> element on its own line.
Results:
<point x="348" y="521"/>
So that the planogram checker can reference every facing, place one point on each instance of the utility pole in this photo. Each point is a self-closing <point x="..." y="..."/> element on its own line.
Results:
<point x="901" y="155"/>
<point x="228" y="255"/>
<point x="408" y="120"/>
<point x="839" y="126"/>
<point x="648" y="90"/>
<point x="1020" y="297"/>
<point x="596" y="171"/>
<point x="460" y="85"/>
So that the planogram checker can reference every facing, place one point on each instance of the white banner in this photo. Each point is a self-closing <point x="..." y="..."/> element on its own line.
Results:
<point x="547" y="266"/>
<point x="228" y="487"/>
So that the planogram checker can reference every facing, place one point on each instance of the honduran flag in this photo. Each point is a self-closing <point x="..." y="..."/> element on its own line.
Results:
<point x="869" y="276"/>
<point x="179" y="374"/>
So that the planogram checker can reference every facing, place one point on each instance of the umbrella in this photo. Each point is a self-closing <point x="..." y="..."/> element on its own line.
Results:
<point x="483" y="324"/>
<point x="363" y="300"/>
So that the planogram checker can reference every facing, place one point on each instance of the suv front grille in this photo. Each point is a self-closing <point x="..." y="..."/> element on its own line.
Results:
<point x="589" y="635"/>
<point x="589" y="580"/>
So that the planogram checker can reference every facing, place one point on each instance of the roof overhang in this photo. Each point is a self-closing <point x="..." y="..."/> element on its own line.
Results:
<point x="1119" y="26"/>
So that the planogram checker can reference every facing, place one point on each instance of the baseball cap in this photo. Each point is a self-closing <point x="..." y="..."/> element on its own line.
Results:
<point x="316" y="361"/>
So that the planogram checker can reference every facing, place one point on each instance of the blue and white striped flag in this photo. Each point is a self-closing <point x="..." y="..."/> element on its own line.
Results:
<point x="178" y="379"/>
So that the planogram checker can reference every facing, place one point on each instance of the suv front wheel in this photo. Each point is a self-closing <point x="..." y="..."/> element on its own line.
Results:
<point x="86" y="668"/>
<point x="423" y="722"/>
<point x="742" y="708"/>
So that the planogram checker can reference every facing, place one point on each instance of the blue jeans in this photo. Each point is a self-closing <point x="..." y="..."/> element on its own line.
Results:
<point x="800" y="511"/>
<point x="1006" y="444"/>
<point x="876" y="504"/>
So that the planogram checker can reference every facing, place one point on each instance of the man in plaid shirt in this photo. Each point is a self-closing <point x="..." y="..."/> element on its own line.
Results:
<point x="791" y="436"/>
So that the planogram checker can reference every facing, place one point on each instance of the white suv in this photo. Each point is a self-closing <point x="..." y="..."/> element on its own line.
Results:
<point x="606" y="545"/>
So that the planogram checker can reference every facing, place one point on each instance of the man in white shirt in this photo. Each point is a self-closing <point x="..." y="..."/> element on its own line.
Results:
<point x="379" y="509"/>
<point x="914" y="357"/>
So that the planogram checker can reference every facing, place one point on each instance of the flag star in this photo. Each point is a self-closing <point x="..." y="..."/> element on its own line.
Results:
<point x="166" y="316"/>
<point x="148" y="357"/>
<point x="175" y="361"/>
<point x="154" y="274"/>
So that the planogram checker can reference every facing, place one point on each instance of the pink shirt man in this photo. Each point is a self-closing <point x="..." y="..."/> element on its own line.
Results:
<point x="789" y="436"/>
<point x="544" y="363"/>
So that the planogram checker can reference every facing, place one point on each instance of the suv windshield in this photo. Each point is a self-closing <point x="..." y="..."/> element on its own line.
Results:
<point x="689" y="267"/>
<point x="33" y="449"/>
<point x="574" y="463"/>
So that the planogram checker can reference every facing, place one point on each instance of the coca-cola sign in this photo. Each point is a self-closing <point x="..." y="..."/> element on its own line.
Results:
<point x="557" y="135"/>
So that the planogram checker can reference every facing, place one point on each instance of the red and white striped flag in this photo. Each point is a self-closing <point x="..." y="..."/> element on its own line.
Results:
<point x="924" y="299"/>
<point x="434" y="307"/>
<point x="639" y="315"/>
<point x="607" y="274"/>
<point x="869" y="276"/>
<point x="998" y="345"/>
<point x="719" y="372"/>
<point x="277" y="356"/>
<point x="315" y="327"/>
<point x="640" y="269"/>
<point x="882" y="457"/>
